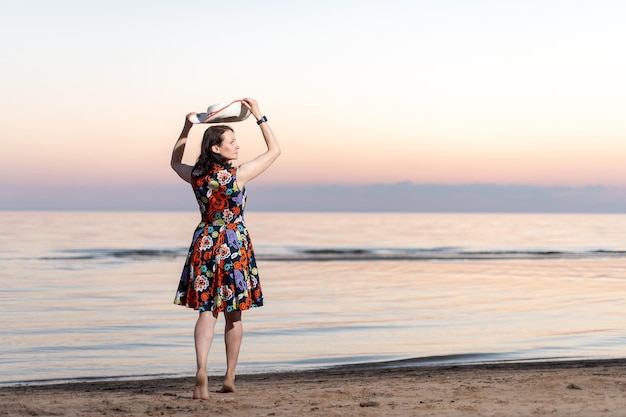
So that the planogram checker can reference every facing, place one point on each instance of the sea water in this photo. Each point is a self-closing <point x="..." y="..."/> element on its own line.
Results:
<point x="88" y="295"/>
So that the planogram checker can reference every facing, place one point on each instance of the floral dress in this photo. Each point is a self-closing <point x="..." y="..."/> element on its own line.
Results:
<point x="220" y="272"/>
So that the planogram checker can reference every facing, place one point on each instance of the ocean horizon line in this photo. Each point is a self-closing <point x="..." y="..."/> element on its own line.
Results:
<point x="305" y="211"/>
<point x="399" y="197"/>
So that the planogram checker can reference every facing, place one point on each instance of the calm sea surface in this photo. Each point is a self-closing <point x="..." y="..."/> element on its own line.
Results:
<point x="88" y="295"/>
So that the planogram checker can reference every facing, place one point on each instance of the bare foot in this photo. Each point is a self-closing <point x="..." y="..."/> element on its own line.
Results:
<point x="201" y="390"/>
<point x="228" y="385"/>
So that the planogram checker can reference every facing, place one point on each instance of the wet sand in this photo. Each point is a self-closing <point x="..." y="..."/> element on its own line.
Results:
<point x="563" y="388"/>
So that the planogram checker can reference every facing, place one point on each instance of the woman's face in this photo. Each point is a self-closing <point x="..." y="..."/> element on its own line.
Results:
<point x="229" y="148"/>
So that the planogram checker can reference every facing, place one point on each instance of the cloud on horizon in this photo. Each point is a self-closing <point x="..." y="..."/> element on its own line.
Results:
<point x="397" y="197"/>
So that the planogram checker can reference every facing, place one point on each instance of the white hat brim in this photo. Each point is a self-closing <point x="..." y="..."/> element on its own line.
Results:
<point x="235" y="111"/>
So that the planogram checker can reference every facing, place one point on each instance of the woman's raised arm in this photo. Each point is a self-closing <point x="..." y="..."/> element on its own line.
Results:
<point x="251" y="169"/>
<point x="183" y="170"/>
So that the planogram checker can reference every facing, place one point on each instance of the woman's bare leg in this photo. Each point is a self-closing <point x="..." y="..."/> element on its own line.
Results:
<point x="233" y="334"/>
<point x="203" y="337"/>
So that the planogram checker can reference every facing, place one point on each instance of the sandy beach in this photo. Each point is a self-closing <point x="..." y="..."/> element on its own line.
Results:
<point x="563" y="388"/>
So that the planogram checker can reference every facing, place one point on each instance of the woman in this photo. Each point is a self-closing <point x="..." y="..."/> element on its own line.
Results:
<point x="220" y="273"/>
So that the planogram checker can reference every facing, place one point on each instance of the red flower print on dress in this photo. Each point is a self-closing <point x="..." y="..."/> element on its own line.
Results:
<point x="227" y="215"/>
<point x="218" y="202"/>
<point x="200" y="283"/>
<point x="223" y="252"/>
<point x="224" y="177"/>
<point x="225" y="292"/>
<point x="206" y="243"/>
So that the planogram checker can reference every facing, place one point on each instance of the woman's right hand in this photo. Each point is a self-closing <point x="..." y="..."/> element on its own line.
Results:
<point x="187" y="118"/>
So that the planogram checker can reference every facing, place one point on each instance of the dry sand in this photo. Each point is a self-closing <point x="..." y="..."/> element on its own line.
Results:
<point x="570" y="388"/>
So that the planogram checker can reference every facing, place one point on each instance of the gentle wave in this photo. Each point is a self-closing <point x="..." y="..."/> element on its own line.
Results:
<point x="347" y="254"/>
<point x="439" y="254"/>
<point x="89" y="254"/>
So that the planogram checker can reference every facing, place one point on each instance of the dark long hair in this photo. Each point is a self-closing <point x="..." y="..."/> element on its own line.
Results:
<point x="212" y="136"/>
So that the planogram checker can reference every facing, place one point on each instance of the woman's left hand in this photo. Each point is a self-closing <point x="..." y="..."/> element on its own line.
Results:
<point x="253" y="106"/>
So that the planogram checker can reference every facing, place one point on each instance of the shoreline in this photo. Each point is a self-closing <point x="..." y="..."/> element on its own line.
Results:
<point x="439" y="362"/>
<point x="585" y="387"/>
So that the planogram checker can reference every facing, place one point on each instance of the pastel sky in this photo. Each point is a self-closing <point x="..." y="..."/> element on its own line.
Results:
<point x="442" y="92"/>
